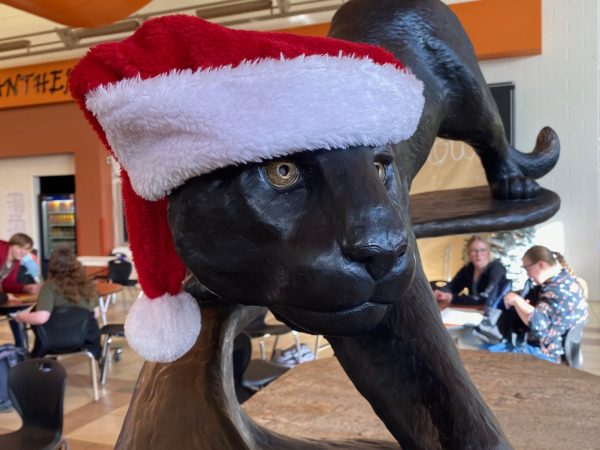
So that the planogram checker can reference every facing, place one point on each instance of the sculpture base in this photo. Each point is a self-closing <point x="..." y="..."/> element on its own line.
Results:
<point x="539" y="404"/>
<point x="473" y="210"/>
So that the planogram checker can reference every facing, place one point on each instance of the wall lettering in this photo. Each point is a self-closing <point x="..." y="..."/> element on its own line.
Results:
<point x="39" y="84"/>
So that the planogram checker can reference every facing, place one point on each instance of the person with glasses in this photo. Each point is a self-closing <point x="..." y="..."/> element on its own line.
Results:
<point x="558" y="305"/>
<point x="482" y="277"/>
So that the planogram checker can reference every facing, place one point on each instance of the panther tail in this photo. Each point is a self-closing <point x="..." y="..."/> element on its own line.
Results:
<point x="543" y="157"/>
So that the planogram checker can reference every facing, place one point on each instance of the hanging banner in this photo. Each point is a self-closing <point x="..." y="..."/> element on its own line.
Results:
<point x="35" y="85"/>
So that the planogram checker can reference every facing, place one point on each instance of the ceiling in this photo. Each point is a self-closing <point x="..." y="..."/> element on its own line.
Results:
<point x="50" y="41"/>
<point x="44" y="40"/>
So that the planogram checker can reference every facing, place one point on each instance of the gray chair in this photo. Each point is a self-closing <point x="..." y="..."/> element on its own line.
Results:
<point x="37" y="391"/>
<point x="572" y="345"/>
<point x="70" y="330"/>
<point x="109" y="331"/>
<point x="251" y="375"/>
<point x="261" y="330"/>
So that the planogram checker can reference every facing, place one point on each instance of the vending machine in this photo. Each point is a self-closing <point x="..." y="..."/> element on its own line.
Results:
<point x="57" y="214"/>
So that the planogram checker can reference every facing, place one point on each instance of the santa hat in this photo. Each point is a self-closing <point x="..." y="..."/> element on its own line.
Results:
<point x="182" y="97"/>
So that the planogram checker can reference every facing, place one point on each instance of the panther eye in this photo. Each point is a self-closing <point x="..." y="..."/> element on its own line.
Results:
<point x="281" y="174"/>
<point x="381" y="170"/>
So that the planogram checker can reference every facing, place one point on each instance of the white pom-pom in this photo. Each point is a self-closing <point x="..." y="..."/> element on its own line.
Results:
<point x="163" y="329"/>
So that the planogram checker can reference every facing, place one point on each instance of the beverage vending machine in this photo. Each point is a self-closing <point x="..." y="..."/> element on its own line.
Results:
<point x="57" y="223"/>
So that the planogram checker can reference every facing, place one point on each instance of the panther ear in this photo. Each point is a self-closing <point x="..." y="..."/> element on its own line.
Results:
<point x="182" y="97"/>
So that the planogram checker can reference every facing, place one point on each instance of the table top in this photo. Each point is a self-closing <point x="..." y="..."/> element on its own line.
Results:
<point x="108" y="288"/>
<point x="26" y="300"/>
<point x="101" y="262"/>
<point x="23" y="301"/>
<point x="538" y="404"/>
<point x="95" y="261"/>
<point x="456" y="316"/>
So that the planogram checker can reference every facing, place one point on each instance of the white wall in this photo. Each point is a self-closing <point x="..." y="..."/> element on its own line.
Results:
<point x="18" y="181"/>
<point x="559" y="88"/>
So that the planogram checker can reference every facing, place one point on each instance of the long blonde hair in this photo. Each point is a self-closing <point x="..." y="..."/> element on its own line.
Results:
<point x="476" y="238"/>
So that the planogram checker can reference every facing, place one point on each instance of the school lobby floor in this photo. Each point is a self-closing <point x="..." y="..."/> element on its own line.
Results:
<point x="90" y="425"/>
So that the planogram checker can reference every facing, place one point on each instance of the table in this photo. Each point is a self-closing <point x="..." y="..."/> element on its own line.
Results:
<point x="100" y="263"/>
<point x="460" y="320"/>
<point x="106" y="294"/>
<point x="540" y="405"/>
<point x="95" y="261"/>
<point x="23" y="301"/>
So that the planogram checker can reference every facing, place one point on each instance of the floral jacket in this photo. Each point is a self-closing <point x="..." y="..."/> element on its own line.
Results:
<point x="561" y="306"/>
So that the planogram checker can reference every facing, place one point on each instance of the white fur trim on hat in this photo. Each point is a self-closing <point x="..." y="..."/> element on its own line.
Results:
<point x="164" y="328"/>
<point x="167" y="129"/>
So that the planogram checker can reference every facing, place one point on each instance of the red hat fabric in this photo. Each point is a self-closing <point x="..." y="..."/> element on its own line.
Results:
<point x="182" y="97"/>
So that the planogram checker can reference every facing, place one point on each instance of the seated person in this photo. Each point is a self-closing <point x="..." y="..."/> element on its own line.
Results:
<point x="69" y="285"/>
<point x="560" y="304"/>
<point x="12" y="275"/>
<point x="481" y="277"/>
<point x="30" y="269"/>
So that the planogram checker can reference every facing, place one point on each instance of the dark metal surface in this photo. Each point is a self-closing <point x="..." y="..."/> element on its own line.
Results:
<point x="428" y="38"/>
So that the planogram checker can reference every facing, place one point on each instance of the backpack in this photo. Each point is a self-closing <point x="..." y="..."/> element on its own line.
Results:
<point x="10" y="356"/>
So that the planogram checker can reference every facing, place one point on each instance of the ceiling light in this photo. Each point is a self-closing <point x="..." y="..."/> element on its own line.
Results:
<point x="14" y="45"/>
<point x="233" y="9"/>
<point x="115" y="28"/>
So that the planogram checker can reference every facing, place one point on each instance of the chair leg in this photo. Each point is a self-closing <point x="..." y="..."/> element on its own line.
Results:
<point x="274" y="346"/>
<point x="63" y="445"/>
<point x="104" y="358"/>
<point x="297" y="340"/>
<point x="94" y="374"/>
<point x="103" y="303"/>
<point x="317" y="345"/>
<point x="261" y="347"/>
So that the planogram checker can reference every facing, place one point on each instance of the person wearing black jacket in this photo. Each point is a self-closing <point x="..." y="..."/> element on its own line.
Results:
<point x="482" y="277"/>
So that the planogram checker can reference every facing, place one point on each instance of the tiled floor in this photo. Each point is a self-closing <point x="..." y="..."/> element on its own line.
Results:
<point x="95" y="425"/>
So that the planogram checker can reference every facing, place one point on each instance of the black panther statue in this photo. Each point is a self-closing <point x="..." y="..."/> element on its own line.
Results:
<point x="324" y="239"/>
<point x="458" y="104"/>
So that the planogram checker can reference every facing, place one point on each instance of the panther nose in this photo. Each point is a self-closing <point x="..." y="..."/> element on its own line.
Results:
<point x="377" y="259"/>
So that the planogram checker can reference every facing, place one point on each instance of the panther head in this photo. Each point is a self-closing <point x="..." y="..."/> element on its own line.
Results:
<point x="322" y="238"/>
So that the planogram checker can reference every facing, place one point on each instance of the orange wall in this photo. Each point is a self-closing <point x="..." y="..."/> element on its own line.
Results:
<point x="59" y="129"/>
<point x="501" y="28"/>
<point x="497" y="28"/>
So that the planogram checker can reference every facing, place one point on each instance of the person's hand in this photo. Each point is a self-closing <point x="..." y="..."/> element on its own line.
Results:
<point x="16" y="318"/>
<point x="442" y="297"/>
<point x="12" y="298"/>
<point x="31" y="288"/>
<point x="510" y="299"/>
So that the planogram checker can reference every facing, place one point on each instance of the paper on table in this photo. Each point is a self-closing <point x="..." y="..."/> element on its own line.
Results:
<point x="456" y="316"/>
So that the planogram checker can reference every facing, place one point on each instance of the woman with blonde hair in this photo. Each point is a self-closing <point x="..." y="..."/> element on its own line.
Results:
<point x="558" y="306"/>
<point x="67" y="285"/>
<point x="481" y="276"/>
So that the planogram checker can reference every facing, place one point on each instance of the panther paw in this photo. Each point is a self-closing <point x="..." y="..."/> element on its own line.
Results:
<point x="515" y="188"/>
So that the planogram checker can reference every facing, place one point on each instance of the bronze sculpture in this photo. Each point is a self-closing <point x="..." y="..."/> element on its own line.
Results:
<point x="324" y="240"/>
